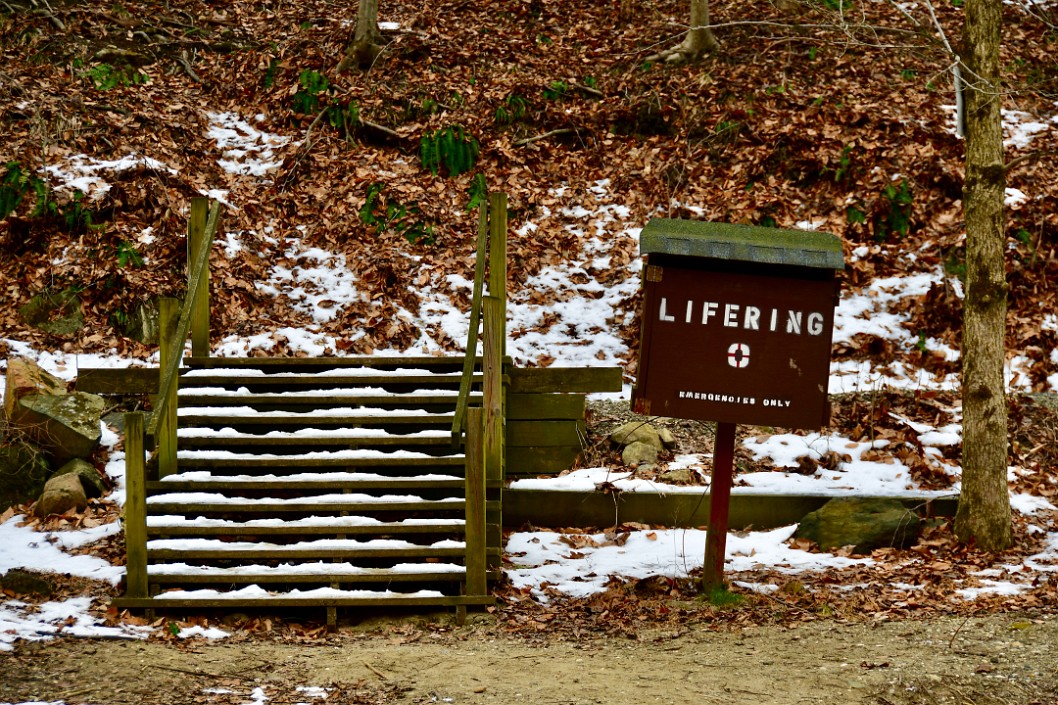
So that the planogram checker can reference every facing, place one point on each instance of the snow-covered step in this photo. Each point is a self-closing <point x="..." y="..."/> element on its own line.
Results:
<point x="294" y="382"/>
<point x="312" y="572"/>
<point x="311" y="364"/>
<point x="255" y="597"/>
<point x="306" y="481"/>
<point x="190" y="502"/>
<point x="172" y="525"/>
<point x="198" y="549"/>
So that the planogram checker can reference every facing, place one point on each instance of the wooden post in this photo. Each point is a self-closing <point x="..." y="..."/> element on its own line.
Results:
<point x="196" y="232"/>
<point x="719" y="499"/>
<point x="169" y="315"/>
<point x="492" y="392"/>
<point x="475" y="504"/>
<point x="498" y="259"/>
<point x="135" y="508"/>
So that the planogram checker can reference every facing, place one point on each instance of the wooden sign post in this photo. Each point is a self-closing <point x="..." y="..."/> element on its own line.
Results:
<point x="736" y="328"/>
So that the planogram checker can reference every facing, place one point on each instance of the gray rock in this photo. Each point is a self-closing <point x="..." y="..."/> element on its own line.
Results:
<point x="667" y="439"/>
<point x="638" y="453"/>
<point x="93" y="482"/>
<point x="23" y="472"/>
<point x="61" y="494"/>
<point x="637" y="432"/>
<point x="25" y="377"/>
<point x="65" y="426"/>
<point x="866" y="524"/>
<point x="25" y="582"/>
<point x="679" y="476"/>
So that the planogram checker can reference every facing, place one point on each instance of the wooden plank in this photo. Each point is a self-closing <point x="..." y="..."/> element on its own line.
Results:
<point x="277" y="423"/>
<point x="540" y="460"/>
<point x="546" y="433"/>
<point x="492" y="393"/>
<point x="417" y="401"/>
<point x="400" y="484"/>
<point x="265" y="554"/>
<point x="498" y="260"/>
<point x="565" y="379"/>
<point x="476" y="567"/>
<point x="378" y="575"/>
<point x="135" y="508"/>
<point x="676" y="509"/>
<point x="236" y="529"/>
<point x="196" y="240"/>
<point x="449" y="363"/>
<point x="295" y="464"/>
<point x="545" y="406"/>
<point x="165" y="507"/>
<point x="293" y="380"/>
<point x="235" y="443"/>
<point x="127" y="380"/>
<point x="163" y="602"/>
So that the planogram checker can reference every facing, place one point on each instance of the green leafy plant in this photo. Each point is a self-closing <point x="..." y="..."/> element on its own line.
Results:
<point x="894" y="210"/>
<point x="855" y="215"/>
<point x="556" y="91"/>
<point x="344" y="118"/>
<point x="844" y="164"/>
<point x="106" y="77"/>
<point x="907" y="74"/>
<point x="514" y="108"/>
<point x="77" y="217"/>
<point x="270" y="73"/>
<point x="307" y="99"/>
<point x="405" y="219"/>
<point x="451" y="148"/>
<point x="127" y="255"/>
<point x="478" y="191"/>
<point x="14" y="184"/>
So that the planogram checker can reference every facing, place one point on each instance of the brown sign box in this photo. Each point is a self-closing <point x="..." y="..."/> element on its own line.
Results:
<point x="736" y="323"/>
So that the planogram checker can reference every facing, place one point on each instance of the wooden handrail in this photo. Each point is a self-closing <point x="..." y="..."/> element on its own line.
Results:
<point x="463" y="400"/>
<point x="198" y="269"/>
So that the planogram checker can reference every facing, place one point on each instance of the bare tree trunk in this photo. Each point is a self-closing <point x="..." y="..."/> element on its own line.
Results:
<point x="984" y="507"/>
<point x="699" y="40"/>
<point x="367" y="39"/>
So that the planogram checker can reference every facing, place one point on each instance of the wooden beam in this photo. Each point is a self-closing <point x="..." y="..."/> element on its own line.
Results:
<point x="545" y="406"/>
<point x="196" y="240"/>
<point x="564" y="379"/>
<point x="135" y="508"/>
<point x="127" y="380"/>
<point x="476" y="566"/>
<point x="545" y="433"/>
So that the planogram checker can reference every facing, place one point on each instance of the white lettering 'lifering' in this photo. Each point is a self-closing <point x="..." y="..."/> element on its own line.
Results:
<point x="738" y="355"/>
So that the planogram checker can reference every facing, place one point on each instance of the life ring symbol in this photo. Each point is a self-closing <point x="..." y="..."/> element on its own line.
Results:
<point x="738" y="355"/>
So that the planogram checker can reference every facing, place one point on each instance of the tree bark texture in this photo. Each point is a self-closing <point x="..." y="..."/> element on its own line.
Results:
<point x="984" y="516"/>
<point x="699" y="40"/>
<point x="367" y="39"/>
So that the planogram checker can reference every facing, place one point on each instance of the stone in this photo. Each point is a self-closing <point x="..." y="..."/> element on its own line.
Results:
<point x="23" y="472"/>
<point x="25" y="377"/>
<point x="637" y="432"/>
<point x="24" y="582"/>
<point x="93" y="483"/>
<point x="667" y="439"/>
<point x="638" y="453"/>
<point x="65" y="426"/>
<point x="679" y="476"/>
<point x="865" y="524"/>
<point x="61" y="494"/>
<point x="58" y="313"/>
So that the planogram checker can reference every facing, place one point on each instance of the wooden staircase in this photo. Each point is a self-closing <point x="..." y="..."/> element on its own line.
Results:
<point x="314" y="482"/>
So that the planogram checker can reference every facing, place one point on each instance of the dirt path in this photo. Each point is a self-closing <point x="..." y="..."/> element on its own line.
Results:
<point x="995" y="659"/>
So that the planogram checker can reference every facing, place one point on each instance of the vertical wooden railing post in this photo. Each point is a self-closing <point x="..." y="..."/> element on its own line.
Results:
<point x="168" y="323"/>
<point x="196" y="230"/>
<point x="135" y="508"/>
<point x="498" y="257"/>
<point x="476" y="578"/>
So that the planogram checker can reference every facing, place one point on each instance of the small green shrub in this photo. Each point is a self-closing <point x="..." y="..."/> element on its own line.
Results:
<point x="106" y="77"/>
<point x="893" y="214"/>
<point x="513" y="109"/>
<point x="307" y="100"/>
<point x="128" y="255"/>
<point x="405" y="219"/>
<point x="478" y="191"/>
<point x="556" y="91"/>
<point x="451" y="148"/>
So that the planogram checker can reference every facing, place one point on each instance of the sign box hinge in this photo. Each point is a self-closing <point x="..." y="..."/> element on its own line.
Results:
<point x="654" y="273"/>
